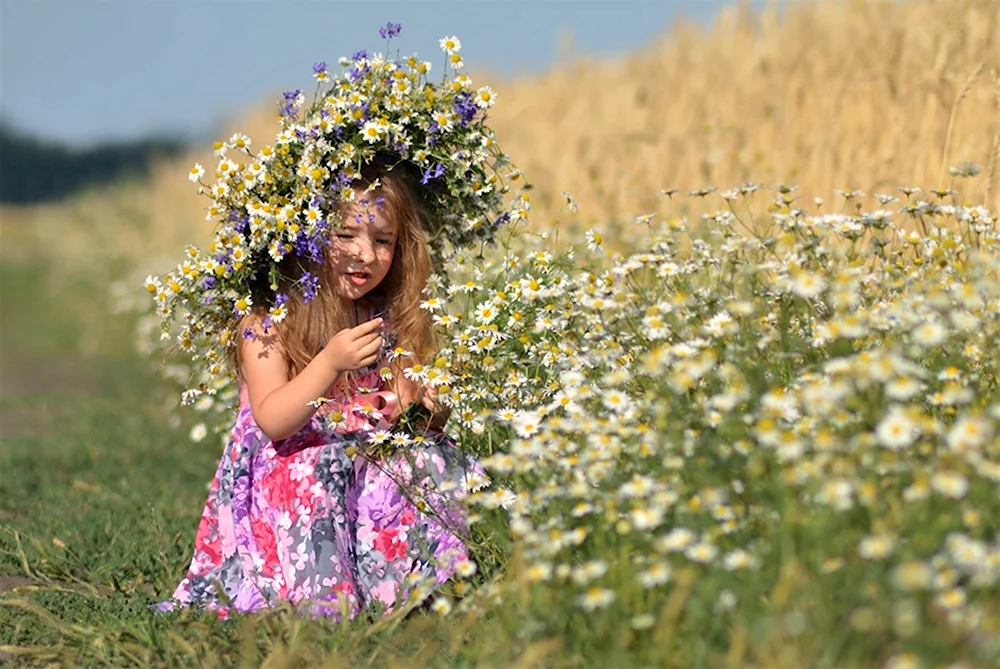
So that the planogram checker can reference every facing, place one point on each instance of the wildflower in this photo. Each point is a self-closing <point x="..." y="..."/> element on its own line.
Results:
<point x="465" y="568"/>
<point x="196" y="173"/>
<point x="596" y="598"/>
<point x="485" y="97"/>
<point x="951" y="599"/>
<point x="441" y="606"/>
<point x="950" y="484"/>
<point x="242" y="305"/>
<point x="486" y="312"/>
<point x="198" y="432"/>
<point x="701" y="552"/>
<point x="594" y="240"/>
<point x="677" y="539"/>
<point x="416" y="372"/>
<point x="379" y="437"/>
<point x="589" y="571"/>
<point x="526" y="423"/>
<point x="451" y="44"/>
<point x="807" y="285"/>
<point x="896" y="430"/>
<point x="540" y="571"/>
<point x="969" y="433"/>
<point x="876" y="547"/>
<point x="738" y="559"/>
<point x="656" y="575"/>
<point x="964" y="170"/>
<point x="930" y="333"/>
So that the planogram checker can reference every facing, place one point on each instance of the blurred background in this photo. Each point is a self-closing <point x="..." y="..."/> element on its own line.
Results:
<point x="103" y="86"/>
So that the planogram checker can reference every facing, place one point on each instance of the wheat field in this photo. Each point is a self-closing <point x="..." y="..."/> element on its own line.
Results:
<point x="830" y="95"/>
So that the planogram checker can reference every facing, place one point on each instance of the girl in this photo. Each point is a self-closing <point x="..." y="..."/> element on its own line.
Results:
<point x="297" y="511"/>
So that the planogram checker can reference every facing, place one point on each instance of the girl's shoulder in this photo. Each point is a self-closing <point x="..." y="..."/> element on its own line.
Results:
<point x="255" y="327"/>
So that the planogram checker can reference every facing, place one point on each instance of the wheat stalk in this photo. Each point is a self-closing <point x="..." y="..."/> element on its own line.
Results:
<point x="966" y="89"/>
<point x="991" y="167"/>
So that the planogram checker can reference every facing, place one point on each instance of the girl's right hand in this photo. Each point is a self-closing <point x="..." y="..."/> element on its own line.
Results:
<point x="356" y="347"/>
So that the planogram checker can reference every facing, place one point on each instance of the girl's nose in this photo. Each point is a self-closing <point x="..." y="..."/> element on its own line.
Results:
<point x="366" y="253"/>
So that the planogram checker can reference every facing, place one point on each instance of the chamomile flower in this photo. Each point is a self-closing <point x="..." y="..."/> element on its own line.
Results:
<point x="896" y="430"/>
<point x="196" y="173"/>
<point x="596" y="598"/>
<point x="451" y="45"/>
<point x="485" y="97"/>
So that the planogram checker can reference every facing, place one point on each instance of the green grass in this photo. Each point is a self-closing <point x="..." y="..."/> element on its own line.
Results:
<point x="99" y="502"/>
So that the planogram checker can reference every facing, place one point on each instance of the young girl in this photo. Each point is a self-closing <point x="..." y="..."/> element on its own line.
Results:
<point x="298" y="511"/>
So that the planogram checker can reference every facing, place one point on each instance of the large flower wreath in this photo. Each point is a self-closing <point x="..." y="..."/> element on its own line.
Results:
<point x="279" y="204"/>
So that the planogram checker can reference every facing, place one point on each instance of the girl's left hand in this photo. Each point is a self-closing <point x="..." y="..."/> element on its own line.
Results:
<point x="409" y="392"/>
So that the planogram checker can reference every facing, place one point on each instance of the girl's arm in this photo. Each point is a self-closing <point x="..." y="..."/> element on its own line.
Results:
<point x="280" y="405"/>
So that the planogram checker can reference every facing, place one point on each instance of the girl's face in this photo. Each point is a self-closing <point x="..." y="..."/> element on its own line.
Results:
<point x="362" y="249"/>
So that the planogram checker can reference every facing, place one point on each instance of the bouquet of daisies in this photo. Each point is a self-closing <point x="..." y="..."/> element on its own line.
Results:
<point x="280" y="202"/>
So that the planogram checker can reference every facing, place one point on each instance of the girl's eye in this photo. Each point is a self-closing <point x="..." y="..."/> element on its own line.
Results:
<point x="386" y="242"/>
<point x="344" y="236"/>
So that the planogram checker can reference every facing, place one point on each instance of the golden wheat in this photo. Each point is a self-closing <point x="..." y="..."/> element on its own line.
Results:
<point x="829" y="94"/>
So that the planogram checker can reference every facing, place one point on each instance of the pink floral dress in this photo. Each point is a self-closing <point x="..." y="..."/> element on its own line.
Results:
<point x="312" y="521"/>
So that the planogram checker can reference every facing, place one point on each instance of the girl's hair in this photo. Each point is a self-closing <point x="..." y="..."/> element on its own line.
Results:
<point x="308" y="326"/>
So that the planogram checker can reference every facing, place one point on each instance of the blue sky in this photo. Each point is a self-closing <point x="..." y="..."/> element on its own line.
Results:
<point x="84" y="71"/>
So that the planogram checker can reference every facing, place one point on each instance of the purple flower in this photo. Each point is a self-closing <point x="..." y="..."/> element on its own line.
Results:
<point x="310" y="284"/>
<point x="465" y="108"/>
<point x="319" y="67"/>
<point x="292" y="101"/>
<point x="359" y="55"/>
<point x="391" y="30"/>
<point x="432" y="173"/>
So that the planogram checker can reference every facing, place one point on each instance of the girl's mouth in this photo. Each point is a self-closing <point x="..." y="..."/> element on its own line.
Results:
<point x="358" y="278"/>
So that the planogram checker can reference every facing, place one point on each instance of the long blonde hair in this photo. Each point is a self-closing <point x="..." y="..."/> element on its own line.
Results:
<point x="308" y="326"/>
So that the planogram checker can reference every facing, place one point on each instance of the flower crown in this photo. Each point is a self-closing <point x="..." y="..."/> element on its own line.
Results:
<point x="280" y="203"/>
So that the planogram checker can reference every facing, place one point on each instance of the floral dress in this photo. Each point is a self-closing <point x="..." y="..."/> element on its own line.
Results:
<point x="313" y="521"/>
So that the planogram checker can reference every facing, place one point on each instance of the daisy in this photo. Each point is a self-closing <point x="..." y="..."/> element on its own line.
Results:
<point x="449" y="45"/>
<point x="807" y="285"/>
<point x="929" y="333"/>
<point x="196" y="173"/>
<point x="485" y="97"/>
<point x="896" y="430"/>
<point x="876" y="547"/>
<point x="379" y="437"/>
<point x="950" y="484"/>
<point x="486" y="312"/>
<point x="596" y="598"/>
<point x="441" y="606"/>
<point x="658" y="574"/>
<point x="371" y="131"/>
<point x="416" y="373"/>
<point x="526" y="423"/>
